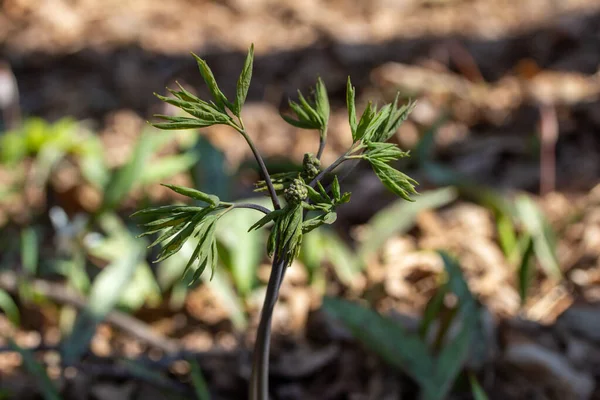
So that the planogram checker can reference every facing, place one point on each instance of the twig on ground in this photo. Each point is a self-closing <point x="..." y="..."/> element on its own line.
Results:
<point x="61" y="294"/>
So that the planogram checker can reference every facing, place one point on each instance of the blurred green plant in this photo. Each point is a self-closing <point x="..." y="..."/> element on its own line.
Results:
<point x="524" y="234"/>
<point x="308" y="204"/>
<point x="436" y="366"/>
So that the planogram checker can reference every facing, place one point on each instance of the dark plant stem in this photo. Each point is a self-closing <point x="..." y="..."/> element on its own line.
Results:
<point x="259" y="382"/>
<point x="327" y="170"/>
<point x="252" y="206"/>
<point x="322" y="142"/>
<point x="263" y="168"/>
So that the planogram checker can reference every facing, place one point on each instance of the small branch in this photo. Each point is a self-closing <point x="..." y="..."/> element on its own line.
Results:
<point x="327" y="170"/>
<point x="322" y="142"/>
<point x="250" y="206"/>
<point x="263" y="168"/>
<point x="61" y="294"/>
<point x="259" y="381"/>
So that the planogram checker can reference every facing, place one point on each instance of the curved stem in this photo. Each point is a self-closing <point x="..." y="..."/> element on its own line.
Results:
<point x="327" y="170"/>
<point x="322" y="142"/>
<point x="263" y="168"/>
<point x="250" y="206"/>
<point x="259" y="381"/>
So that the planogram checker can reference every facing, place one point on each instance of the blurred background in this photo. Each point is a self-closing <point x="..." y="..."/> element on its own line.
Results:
<point x="504" y="143"/>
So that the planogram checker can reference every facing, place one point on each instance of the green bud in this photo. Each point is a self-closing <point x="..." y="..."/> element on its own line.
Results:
<point x="296" y="192"/>
<point x="311" y="166"/>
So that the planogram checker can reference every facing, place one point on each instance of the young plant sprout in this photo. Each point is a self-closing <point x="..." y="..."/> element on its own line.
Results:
<point x="307" y="204"/>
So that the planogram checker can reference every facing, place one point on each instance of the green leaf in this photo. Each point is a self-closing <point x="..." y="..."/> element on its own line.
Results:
<point x="386" y="338"/>
<point x="308" y="109"/>
<point x="126" y="177"/>
<point x="141" y="290"/>
<point x="542" y="234"/>
<point x="273" y="215"/>
<point x="525" y="272"/>
<point x="365" y="121"/>
<point x="322" y="101"/>
<point x="29" y="250"/>
<point x="177" y="123"/>
<point x="105" y="292"/>
<point x="432" y="310"/>
<point x="205" y="253"/>
<point x="175" y="243"/>
<point x="209" y="78"/>
<point x="49" y="391"/>
<point x="377" y="123"/>
<point x="335" y="188"/>
<point x="397" y="182"/>
<point x="345" y="264"/>
<point x="168" y="167"/>
<point x="350" y="104"/>
<point x="202" y="110"/>
<point x="243" y="82"/>
<point x="10" y="308"/>
<point x="383" y="152"/>
<point x="194" y="194"/>
<point x="302" y="124"/>
<point x="211" y="174"/>
<point x="198" y="381"/>
<point x="244" y="250"/>
<point x="313" y="223"/>
<point x="476" y="389"/>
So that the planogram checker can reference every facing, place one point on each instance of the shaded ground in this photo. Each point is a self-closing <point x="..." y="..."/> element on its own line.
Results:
<point x="493" y="75"/>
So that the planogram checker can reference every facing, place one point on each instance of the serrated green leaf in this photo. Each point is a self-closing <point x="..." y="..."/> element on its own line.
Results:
<point x="384" y="152"/>
<point x="300" y="124"/>
<point x="171" y="220"/>
<point x="365" y="121"/>
<point x="350" y="104"/>
<point x="203" y="111"/>
<point x="323" y="192"/>
<point x="266" y="219"/>
<point x="243" y="83"/>
<point x="175" y="243"/>
<point x="178" y="123"/>
<point x="185" y="95"/>
<point x="377" y="122"/>
<point x="335" y="188"/>
<point x="314" y="196"/>
<point x="393" y="122"/>
<point x="169" y="233"/>
<point x="154" y="211"/>
<point x="205" y="252"/>
<point x="211" y="82"/>
<point x="394" y="180"/>
<point x="194" y="194"/>
<point x="322" y="101"/>
<point x="309" y="109"/>
<point x="313" y="223"/>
